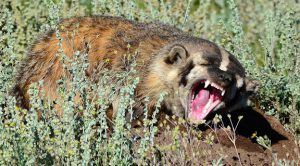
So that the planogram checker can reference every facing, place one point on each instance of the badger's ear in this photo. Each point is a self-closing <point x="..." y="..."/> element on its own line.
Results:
<point x="252" y="86"/>
<point x="176" y="55"/>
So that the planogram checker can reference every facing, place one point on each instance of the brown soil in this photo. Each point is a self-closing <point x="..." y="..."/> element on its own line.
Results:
<point x="192" y="150"/>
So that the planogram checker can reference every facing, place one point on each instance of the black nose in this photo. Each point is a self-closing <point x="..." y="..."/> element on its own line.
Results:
<point x="225" y="77"/>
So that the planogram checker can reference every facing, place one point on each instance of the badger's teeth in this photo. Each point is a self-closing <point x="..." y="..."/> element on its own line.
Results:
<point x="206" y="84"/>
<point x="223" y="92"/>
<point x="217" y="86"/>
<point x="214" y="85"/>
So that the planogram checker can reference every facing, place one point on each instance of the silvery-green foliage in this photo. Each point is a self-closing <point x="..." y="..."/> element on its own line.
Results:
<point x="264" y="35"/>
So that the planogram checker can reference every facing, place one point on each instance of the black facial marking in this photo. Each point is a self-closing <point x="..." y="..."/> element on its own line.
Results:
<point x="235" y="66"/>
<point x="212" y="55"/>
<point x="185" y="71"/>
<point x="212" y="59"/>
<point x="225" y="77"/>
<point x="219" y="76"/>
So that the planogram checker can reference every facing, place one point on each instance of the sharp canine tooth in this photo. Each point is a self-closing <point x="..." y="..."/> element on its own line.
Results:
<point x="206" y="84"/>
<point x="223" y="92"/>
<point x="214" y="85"/>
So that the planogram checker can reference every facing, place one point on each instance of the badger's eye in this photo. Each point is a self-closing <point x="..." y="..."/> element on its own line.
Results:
<point x="205" y="64"/>
<point x="209" y="63"/>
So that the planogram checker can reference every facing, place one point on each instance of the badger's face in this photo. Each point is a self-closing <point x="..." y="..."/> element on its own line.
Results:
<point x="202" y="78"/>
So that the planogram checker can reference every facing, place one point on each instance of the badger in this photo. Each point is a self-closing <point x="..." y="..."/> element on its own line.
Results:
<point x="198" y="76"/>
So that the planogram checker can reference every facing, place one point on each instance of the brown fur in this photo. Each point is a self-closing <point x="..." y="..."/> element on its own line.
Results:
<point x="108" y="38"/>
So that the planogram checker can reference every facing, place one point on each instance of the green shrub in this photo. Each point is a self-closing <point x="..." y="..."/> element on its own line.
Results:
<point x="263" y="34"/>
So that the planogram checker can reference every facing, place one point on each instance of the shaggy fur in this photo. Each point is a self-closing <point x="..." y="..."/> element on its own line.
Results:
<point x="167" y="60"/>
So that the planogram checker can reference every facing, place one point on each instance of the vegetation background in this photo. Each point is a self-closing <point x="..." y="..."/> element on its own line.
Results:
<point x="263" y="34"/>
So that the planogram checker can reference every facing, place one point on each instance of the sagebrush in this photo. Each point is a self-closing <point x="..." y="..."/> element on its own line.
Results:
<point x="263" y="34"/>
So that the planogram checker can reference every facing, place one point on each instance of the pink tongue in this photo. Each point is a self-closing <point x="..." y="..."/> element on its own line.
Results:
<point x="204" y="102"/>
<point x="200" y="101"/>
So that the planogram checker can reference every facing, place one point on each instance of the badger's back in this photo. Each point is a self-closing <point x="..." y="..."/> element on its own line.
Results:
<point x="100" y="37"/>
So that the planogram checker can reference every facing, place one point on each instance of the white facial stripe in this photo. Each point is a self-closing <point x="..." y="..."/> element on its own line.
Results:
<point x="225" y="60"/>
<point x="239" y="81"/>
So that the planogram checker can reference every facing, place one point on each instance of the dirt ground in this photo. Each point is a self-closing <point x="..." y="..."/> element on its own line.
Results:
<point x="199" y="151"/>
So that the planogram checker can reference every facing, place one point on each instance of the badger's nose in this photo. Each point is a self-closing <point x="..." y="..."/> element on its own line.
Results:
<point x="225" y="79"/>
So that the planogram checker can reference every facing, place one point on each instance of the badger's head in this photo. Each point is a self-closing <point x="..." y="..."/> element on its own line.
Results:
<point x="201" y="78"/>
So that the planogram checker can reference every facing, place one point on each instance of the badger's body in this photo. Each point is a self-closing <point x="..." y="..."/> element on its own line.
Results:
<point x="198" y="76"/>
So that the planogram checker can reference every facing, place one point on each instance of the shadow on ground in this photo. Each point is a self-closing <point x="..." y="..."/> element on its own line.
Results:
<point x="255" y="122"/>
<point x="247" y="151"/>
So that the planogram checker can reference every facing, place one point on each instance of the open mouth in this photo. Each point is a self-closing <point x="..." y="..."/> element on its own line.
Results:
<point x="204" y="97"/>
